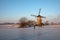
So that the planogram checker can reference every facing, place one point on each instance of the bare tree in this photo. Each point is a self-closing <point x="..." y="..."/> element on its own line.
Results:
<point x="23" y="19"/>
<point x="23" y="22"/>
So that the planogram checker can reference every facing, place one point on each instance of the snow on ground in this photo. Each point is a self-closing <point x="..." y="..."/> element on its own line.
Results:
<point x="15" y="26"/>
<point x="49" y="32"/>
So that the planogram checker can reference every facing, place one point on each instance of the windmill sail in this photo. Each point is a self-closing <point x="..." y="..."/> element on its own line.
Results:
<point x="42" y="16"/>
<point x="34" y="15"/>
<point x="39" y="11"/>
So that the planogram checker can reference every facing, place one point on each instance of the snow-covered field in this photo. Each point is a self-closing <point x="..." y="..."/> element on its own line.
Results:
<point x="9" y="26"/>
<point x="49" y="32"/>
<point x="15" y="26"/>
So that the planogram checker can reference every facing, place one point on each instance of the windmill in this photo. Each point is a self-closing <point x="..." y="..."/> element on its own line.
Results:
<point x="38" y="18"/>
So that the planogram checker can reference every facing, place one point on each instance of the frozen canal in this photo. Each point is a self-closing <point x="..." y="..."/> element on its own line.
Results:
<point x="44" y="33"/>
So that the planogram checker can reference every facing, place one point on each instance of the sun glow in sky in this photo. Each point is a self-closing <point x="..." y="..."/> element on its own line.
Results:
<point x="13" y="10"/>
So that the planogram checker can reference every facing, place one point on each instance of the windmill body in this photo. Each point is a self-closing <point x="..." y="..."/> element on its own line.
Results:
<point x="38" y="21"/>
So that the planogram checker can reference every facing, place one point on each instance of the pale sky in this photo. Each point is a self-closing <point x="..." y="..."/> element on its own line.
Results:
<point x="13" y="10"/>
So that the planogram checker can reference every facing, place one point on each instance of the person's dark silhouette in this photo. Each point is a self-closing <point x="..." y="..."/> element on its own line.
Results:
<point x="34" y="26"/>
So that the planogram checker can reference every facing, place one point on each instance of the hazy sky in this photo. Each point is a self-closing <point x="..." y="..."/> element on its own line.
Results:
<point x="13" y="10"/>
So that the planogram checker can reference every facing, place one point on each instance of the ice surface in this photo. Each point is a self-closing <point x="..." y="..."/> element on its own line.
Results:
<point x="44" y="33"/>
